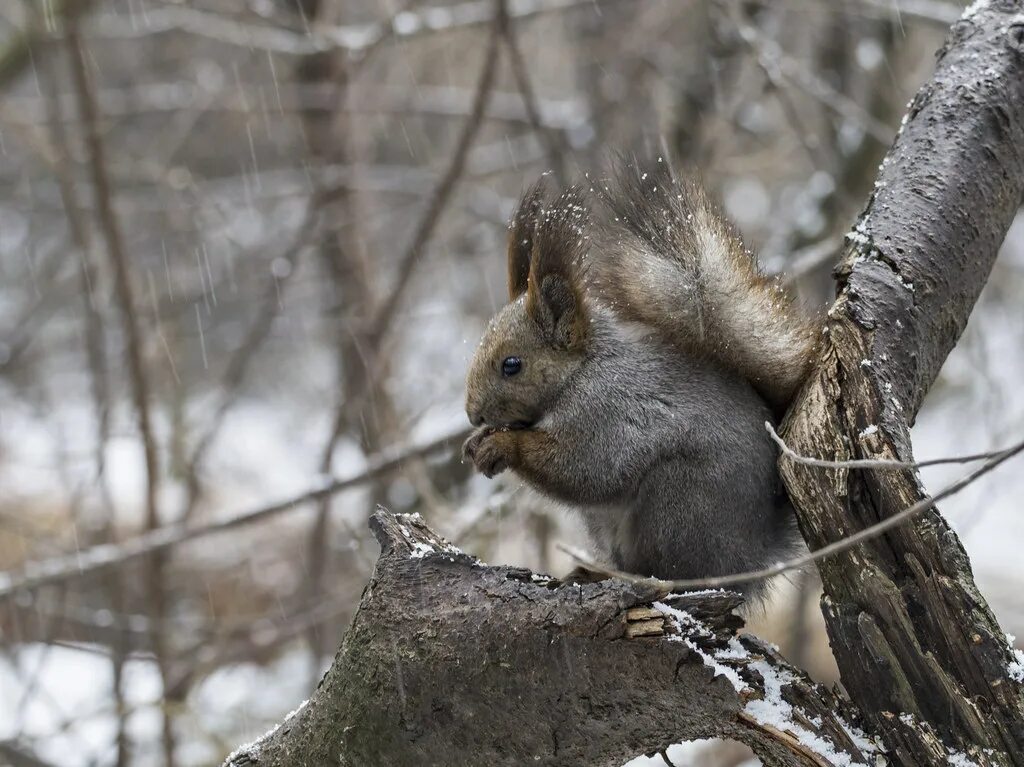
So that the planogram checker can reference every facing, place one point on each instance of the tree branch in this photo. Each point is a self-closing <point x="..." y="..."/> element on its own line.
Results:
<point x="353" y="40"/>
<point x="134" y="352"/>
<point x="529" y="670"/>
<point x="871" y="532"/>
<point x="904" y="608"/>
<point x="99" y="558"/>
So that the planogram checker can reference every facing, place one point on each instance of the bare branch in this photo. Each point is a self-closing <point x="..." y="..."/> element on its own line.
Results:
<point x="37" y="574"/>
<point x="876" y="463"/>
<point x="324" y="38"/>
<point x="797" y="563"/>
<point x="549" y="139"/>
<point x="775" y="62"/>
<point x="110" y="227"/>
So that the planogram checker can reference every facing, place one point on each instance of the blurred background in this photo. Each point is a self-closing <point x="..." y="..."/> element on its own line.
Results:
<point x="246" y="250"/>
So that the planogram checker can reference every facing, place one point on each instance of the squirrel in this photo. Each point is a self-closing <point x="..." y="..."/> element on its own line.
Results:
<point x="633" y="370"/>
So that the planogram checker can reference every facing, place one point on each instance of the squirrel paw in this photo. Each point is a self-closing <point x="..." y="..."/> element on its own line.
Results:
<point x="582" y="574"/>
<point x="484" y="449"/>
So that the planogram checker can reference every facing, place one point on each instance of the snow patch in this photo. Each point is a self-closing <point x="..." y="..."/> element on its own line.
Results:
<point x="1016" y="666"/>
<point x="687" y="624"/>
<point x="774" y="711"/>
<point x="253" y="749"/>
<point x="421" y="549"/>
<point x="974" y="8"/>
<point x="959" y="759"/>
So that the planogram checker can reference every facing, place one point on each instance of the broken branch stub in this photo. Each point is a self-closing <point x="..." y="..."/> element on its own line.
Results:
<point x="450" y="661"/>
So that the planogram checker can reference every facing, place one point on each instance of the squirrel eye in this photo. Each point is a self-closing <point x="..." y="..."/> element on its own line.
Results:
<point x="510" y="366"/>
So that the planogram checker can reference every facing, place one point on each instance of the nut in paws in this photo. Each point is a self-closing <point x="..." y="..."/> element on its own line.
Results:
<point x="484" y="449"/>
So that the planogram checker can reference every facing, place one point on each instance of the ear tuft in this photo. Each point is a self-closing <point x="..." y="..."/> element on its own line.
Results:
<point x="522" y="229"/>
<point x="554" y="296"/>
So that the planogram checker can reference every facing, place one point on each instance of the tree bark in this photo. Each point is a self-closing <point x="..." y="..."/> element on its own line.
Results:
<point x="452" y="662"/>
<point x="917" y="646"/>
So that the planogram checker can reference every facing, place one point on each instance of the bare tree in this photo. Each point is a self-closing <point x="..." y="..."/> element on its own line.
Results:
<point x="450" y="661"/>
<point x="245" y="249"/>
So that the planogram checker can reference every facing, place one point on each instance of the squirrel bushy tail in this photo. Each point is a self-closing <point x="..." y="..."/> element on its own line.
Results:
<point x="671" y="262"/>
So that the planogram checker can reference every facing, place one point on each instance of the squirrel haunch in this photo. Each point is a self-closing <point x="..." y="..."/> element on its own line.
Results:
<point x="631" y="375"/>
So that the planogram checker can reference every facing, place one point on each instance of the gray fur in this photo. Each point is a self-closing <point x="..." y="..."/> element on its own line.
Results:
<point x="668" y="461"/>
<point x="642" y="398"/>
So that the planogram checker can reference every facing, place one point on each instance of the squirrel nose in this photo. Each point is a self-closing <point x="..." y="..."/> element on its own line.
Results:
<point x="476" y="419"/>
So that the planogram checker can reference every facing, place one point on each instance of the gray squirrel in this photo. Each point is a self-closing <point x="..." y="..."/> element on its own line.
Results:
<point x="632" y="372"/>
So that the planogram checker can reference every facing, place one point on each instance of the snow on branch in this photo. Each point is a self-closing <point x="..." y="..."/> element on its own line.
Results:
<point x="445" y="649"/>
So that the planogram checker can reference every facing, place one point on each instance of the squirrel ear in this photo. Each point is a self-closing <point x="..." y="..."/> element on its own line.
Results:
<point x="521" y="231"/>
<point x="554" y="295"/>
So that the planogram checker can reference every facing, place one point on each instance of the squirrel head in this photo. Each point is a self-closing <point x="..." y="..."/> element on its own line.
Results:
<point x="534" y="345"/>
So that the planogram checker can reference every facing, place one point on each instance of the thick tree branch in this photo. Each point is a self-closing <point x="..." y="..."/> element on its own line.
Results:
<point x="904" y="608"/>
<point x="523" y="669"/>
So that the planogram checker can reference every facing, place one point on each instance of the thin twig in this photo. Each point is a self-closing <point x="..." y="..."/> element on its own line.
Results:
<point x="442" y="192"/>
<point x="844" y="544"/>
<point x="555" y="115"/>
<point x="27" y="327"/>
<point x="773" y="59"/>
<point x="876" y="463"/>
<point x="101" y="557"/>
<point x="550" y="139"/>
<point x="811" y="258"/>
<point x="937" y="12"/>
<point x="110" y="227"/>
<point x="355" y="39"/>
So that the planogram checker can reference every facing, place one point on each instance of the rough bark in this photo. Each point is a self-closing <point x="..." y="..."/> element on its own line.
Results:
<point x="451" y="662"/>
<point x="918" y="648"/>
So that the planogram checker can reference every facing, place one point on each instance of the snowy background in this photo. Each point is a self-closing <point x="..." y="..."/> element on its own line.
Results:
<point x="312" y="260"/>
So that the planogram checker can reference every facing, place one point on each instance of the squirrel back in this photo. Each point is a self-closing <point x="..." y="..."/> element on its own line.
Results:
<point x="664" y="257"/>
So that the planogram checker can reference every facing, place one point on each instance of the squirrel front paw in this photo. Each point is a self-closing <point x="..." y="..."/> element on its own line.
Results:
<point x="485" y="448"/>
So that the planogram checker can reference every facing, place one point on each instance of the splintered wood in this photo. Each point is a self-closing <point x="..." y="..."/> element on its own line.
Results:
<point x="644" y="622"/>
